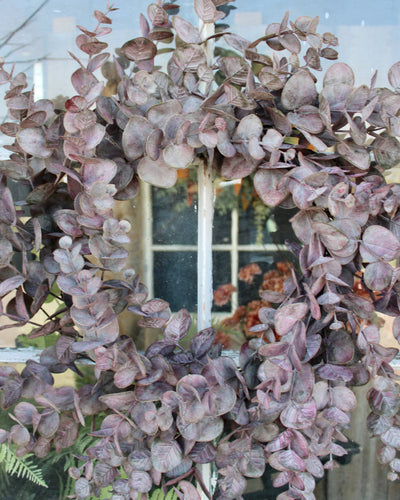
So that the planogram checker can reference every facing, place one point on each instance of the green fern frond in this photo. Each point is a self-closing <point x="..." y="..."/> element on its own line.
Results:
<point x="23" y="468"/>
<point x="158" y="494"/>
<point x="171" y="495"/>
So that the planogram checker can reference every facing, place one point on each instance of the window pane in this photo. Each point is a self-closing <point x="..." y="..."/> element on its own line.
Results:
<point x="221" y="276"/>
<point x="222" y="227"/>
<point x="175" y="279"/>
<point x="259" y="224"/>
<point x="269" y="270"/>
<point x="174" y="216"/>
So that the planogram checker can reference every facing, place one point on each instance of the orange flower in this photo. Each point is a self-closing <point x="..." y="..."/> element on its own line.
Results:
<point x="248" y="272"/>
<point x="223" y="294"/>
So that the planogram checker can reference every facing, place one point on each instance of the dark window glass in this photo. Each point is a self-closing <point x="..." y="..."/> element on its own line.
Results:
<point x="175" y="279"/>
<point x="174" y="216"/>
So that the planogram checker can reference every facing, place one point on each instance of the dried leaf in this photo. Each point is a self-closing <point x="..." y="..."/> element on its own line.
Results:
<point x="299" y="91"/>
<point x="186" y="31"/>
<point x="178" y="326"/>
<point x="166" y="455"/>
<point x="287" y="316"/>
<point x="178" y="155"/>
<point x="33" y="142"/>
<point x="379" y="243"/>
<point x="270" y="186"/>
<point x="139" y="49"/>
<point x="157" y="172"/>
<point x="135" y="136"/>
<point x="299" y="416"/>
<point x="394" y="76"/>
<point x="206" y="11"/>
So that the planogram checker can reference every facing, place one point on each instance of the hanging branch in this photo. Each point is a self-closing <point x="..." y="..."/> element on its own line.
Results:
<point x="22" y="25"/>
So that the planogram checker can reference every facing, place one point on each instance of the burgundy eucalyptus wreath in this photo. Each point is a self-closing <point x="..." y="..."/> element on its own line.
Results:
<point x="251" y="113"/>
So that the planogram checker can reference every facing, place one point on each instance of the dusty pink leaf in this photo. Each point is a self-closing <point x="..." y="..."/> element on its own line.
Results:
<point x="386" y="151"/>
<point x="386" y="454"/>
<point x="394" y="76"/>
<point x="303" y="384"/>
<point x="288" y="315"/>
<point x="391" y="437"/>
<point x="178" y="326"/>
<point x="299" y="416"/>
<point x="139" y="49"/>
<point x="236" y="167"/>
<point x="290" y="460"/>
<point x="270" y="186"/>
<point x="339" y="73"/>
<point x="189" y="491"/>
<point x="186" y="31"/>
<point x="356" y="155"/>
<point x="396" y="329"/>
<point x="33" y="142"/>
<point x="274" y="349"/>
<point x="140" y="481"/>
<point x="379" y="243"/>
<point x="206" y="10"/>
<point x="343" y="398"/>
<point x="340" y="348"/>
<point x="335" y="372"/>
<point x="166" y="455"/>
<point x="157" y="172"/>
<point x="178" y="155"/>
<point x="378" y="275"/>
<point x="299" y="91"/>
<point x="10" y="284"/>
<point x="160" y="114"/>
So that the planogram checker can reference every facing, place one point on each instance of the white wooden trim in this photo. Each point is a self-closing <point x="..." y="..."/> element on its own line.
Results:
<point x="235" y="258"/>
<point x="22" y="354"/>
<point x="228" y="247"/>
<point x="147" y="240"/>
<point x="204" y="243"/>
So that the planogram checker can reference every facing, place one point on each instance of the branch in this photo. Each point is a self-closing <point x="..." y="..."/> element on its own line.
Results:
<point x="21" y="26"/>
<point x="15" y="49"/>
<point x="34" y="60"/>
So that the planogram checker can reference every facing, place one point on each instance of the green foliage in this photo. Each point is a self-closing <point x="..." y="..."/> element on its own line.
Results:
<point x="23" y="468"/>
<point x="158" y="494"/>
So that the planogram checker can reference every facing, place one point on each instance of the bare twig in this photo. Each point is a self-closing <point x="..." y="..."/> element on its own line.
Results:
<point x="19" y="46"/>
<point x="21" y="26"/>
<point x="33" y="60"/>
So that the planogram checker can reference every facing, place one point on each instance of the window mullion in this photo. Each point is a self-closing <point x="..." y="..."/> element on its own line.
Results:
<point x="205" y="212"/>
<point x="235" y="257"/>
<point x="204" y="241"/>
<point x="147" y="250"/>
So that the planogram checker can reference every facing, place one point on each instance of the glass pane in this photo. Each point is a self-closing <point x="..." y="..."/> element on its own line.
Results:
<point x="260" y="224"/>
<point x="280" y="228"/>
<point x="256" y="225"/>
<point x="262" y="271"/>
<point x="221" y="276"/>
<point x="175" y="279"/>
<point x="222" y="227"/>
<point x="225" y="201"/>
<point x="368" y="32"/>
<point x="174" y="216"/>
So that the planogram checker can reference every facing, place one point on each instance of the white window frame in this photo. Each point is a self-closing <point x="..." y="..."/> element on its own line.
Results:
<point x="234" y="248"/>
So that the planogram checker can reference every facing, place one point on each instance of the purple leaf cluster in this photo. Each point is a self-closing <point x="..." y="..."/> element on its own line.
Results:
<point x="170" y="409"/>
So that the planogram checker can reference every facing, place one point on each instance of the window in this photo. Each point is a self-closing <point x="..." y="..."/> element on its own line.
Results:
<point x="244" y="232"/>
